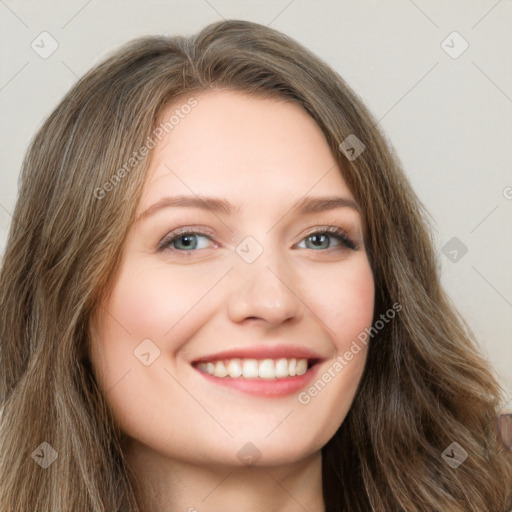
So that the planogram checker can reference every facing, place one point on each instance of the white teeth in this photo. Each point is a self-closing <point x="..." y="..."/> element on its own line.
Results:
<point x="266" y="369"/>
<point x="220" y="369"/>
<point x="281" y="368"/>
<point x="302" y="367"/>
<point x="234" y="368"/>
<point x="250" y="369"/>
<point x="253" y="368"/>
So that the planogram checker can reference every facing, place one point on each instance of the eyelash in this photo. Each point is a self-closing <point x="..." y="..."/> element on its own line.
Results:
<point x="334" y="231"/>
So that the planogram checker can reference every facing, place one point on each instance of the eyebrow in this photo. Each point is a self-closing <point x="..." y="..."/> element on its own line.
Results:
<point x="307" y="205"/>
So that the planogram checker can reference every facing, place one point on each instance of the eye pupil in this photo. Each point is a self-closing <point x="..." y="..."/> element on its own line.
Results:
<point x="188" y="239"/>
<point x="318" y="238"/>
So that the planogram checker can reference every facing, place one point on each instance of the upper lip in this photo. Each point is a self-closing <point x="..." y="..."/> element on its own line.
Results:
<point x="264" y="352"/>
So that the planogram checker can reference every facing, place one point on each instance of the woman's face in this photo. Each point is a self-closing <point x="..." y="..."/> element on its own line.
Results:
<point x="256" y="290"/>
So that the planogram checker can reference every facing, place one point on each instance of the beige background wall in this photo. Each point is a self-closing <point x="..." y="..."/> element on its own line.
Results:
<point x="446" y="108"/>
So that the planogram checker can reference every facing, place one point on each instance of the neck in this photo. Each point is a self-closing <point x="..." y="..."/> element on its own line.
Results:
<point x="164" y="485"/>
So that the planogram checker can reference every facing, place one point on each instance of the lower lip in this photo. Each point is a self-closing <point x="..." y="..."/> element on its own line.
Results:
<point x="265" y="387"/>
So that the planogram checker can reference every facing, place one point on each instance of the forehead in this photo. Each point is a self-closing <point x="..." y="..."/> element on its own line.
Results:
<point x="231" y="142"/>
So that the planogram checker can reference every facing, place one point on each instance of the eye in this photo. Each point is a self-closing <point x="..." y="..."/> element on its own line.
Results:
<point x="320" y="238"/>
<point x="184" y="240"/>
<point x="188" y="240"/>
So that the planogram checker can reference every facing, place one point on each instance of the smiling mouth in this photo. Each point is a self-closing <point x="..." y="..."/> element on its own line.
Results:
<point x="252" y="369"/>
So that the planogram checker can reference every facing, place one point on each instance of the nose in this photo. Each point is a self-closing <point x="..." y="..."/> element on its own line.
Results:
<point x="266" y="291"/>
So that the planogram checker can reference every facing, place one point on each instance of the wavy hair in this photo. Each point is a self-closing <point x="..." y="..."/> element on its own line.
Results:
<point x="424" y="385"/>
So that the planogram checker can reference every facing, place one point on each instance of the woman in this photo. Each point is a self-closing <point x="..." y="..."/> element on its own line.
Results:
<point x="142" y="370"/>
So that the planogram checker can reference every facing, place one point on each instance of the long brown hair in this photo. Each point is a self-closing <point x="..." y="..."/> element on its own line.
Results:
<point x="424" y="386"/>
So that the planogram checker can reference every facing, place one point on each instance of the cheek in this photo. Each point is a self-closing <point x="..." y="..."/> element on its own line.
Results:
<point x="345" y="301"/>
<point x="345" y="305"/>
<point x="142" y="300"/>
<point x="133" y="313"/>
<point x="150" y="300"/>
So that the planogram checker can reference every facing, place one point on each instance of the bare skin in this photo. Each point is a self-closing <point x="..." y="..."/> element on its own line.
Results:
<point x="185" y="432"/>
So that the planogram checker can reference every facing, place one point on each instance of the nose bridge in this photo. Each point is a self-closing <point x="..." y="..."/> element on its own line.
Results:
<point x="263" y="283"/>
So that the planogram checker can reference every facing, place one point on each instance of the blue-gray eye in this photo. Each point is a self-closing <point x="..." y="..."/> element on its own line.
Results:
<point x="182" y="241"/>
<point x="320" y="238"/>
<point x="185" y="241"/>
